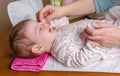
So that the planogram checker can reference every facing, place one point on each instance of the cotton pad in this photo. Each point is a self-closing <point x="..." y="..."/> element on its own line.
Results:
<point x="43" y="21"/>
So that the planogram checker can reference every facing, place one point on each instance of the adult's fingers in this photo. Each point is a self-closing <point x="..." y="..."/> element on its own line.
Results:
<point x="51" y="17"/>
<point x="98" y="25"/>
<point x="96" y="43"/>
<point x="93" y="32"/>
<point x="92" y="38"/>
<point x="95" y="38"/>
<point x="45" y="12"/>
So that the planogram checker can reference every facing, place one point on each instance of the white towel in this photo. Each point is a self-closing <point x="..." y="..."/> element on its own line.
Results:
<point x="23" y="9"/>
<point x="111" y="66"/>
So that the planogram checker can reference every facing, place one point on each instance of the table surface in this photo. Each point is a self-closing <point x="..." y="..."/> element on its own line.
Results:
<point x="6" y="58"/>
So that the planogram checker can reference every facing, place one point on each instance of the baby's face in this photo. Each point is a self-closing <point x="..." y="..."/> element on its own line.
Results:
<point x="40" y="34"/>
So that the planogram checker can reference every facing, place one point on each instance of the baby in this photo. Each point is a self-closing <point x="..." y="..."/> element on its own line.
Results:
<point x="30" y="38"/>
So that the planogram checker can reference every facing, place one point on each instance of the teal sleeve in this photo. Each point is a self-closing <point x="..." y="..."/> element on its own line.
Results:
<point x="102" y="5"/>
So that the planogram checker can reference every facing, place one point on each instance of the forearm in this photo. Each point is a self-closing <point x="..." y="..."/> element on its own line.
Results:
<point x="80" y="7"/>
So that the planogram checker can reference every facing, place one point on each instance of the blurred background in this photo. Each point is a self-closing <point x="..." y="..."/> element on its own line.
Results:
<point x="5" y="23"/>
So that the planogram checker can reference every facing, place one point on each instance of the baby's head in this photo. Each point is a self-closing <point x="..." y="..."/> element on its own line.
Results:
<point x="29" y="38"/>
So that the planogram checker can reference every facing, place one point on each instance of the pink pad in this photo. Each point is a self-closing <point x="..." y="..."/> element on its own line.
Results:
<point x="29" y="64"/>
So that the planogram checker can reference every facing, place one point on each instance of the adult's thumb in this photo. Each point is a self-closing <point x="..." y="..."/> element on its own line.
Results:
<point x="51" y="17"/>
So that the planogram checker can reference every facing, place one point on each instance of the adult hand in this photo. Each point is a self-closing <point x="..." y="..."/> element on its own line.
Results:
<point x="104" y="34"/>
<point x="50" y="12"/>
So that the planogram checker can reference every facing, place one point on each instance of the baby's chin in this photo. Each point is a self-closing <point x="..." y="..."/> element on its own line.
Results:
<point x="55" y="33"/>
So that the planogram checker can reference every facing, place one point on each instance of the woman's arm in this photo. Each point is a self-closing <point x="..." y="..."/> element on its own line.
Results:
<point x="80" y="7"/>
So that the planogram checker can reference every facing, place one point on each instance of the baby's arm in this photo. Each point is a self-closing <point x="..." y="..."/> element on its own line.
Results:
<point x="72" y="57"/>
<point x="87" y="55"/>
<point x="57" y="23"/>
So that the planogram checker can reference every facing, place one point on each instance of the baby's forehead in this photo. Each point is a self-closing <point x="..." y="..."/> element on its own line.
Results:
<point x="33" y="24"/>
<point x="30" y="23"/>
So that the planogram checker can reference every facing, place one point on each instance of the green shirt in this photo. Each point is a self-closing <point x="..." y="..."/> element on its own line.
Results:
<point x="102" y="5"/>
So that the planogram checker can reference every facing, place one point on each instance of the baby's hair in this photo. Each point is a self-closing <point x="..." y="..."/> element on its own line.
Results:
<point x="18" y="41"/>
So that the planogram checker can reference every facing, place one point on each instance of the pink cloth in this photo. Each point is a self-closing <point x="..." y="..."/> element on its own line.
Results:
<point x="29" y="64"/>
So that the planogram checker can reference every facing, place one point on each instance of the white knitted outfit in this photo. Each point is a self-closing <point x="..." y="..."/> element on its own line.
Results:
<point x="71" y="49"/>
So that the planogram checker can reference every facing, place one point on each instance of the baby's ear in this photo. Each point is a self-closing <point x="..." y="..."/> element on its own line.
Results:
<point x="37" y="49"/>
